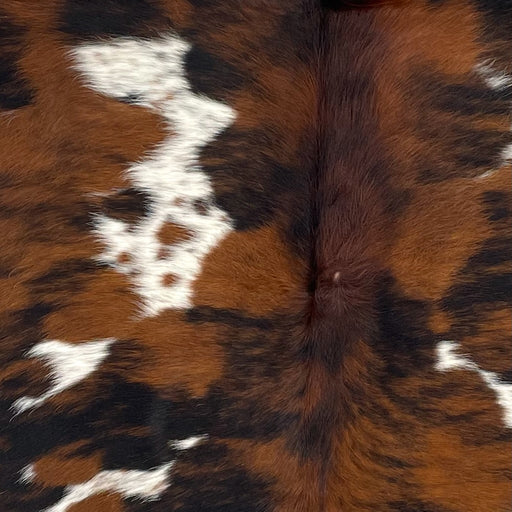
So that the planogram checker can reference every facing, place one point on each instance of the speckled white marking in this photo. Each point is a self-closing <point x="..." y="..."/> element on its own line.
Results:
<point x="450" y="359"/>
<point x="152" y="74"/>
<point x="69" y="364"/>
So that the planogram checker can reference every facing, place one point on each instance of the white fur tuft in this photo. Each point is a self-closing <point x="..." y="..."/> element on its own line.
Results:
<point x="69" y="364"/>
<point x="450" y="359"/>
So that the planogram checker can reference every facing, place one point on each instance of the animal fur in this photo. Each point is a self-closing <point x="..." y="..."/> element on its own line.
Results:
<point x="255" y="256"/>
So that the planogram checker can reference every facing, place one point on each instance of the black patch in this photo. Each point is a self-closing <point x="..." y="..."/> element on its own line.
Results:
<point x="325" y="345"/>
<point x="26" y="382"/>
<point x="132" y="452"/>
<point x="500" y="10"/>
<point x="90" y="18"/>
<point x="119" y="406"/>
<point x="49" y="221"/>
<point x="19" y="497"/>
<point x="330" y="4"/>
<point x="457" y="149"/>
<point x="498" y="26"/>
<point x="405" y="343"/>
<point x="211" y="490"/>
<point x="480" y="288"/>
<point x="299" y="232"/>
<point x="35" y="314"/>
<point x="415" y="506"/>
<point x="485" y="290"/>
<point x="506" y="376"/>
<point x="203" y="3"/>
<point x="495" y="251"/>
<point x="473" y="99"/>
<point x="210" y="75"/>
<point x="479" y="150"/>
<point x="299" y="236"/>
<point x="15" y="91"/>
<point x="255" y="356"/>
<point x="389" y="461"/>
<point x="225" y="412"/>
<point x="230" y="317"/>
<point x="498" y="205"/>
<point x="314" y="435"/>
<point x="67" y="276"/>
<point x="23" y="330"/>
<point x="296" y="39"/>
<point x="79" y="217"/>
<point x="205" y="479"/>
<point x="128" y="205"/>
<point x="466" y="153"/>
<point x="248" y="184"/>
<point x="338" y="5"/>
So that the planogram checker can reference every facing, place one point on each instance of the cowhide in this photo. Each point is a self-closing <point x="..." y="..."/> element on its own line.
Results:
<point x="255" y="256"/>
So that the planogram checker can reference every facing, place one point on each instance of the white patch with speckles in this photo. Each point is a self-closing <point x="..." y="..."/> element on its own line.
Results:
<point x="450" y="359"/>
<point x="69" y="364"/>
<point x="152" y="74"/>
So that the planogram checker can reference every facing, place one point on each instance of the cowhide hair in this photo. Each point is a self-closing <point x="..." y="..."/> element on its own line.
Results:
<point x="255" y="256"/>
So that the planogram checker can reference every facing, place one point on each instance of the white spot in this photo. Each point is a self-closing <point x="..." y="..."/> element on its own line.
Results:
<point x="507" y="153"/>
<point x="186" y="444"/>
<point x="142" y="485"/>
<point x="152" y="71"/>
<point x="494" y="79"/>
<point x="27" y="474"/>
<point x="450" y="359"/>
<point x="69" y="364"/>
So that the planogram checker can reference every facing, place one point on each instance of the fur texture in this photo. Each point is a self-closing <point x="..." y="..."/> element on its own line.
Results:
<point x="361" y="4"/>
<point x="255" y="256"/>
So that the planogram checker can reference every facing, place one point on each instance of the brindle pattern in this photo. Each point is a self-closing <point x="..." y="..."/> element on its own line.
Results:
<point x="347" y="345"/>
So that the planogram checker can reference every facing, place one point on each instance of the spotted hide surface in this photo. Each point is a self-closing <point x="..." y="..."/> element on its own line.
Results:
<point x="255" y="256"/>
